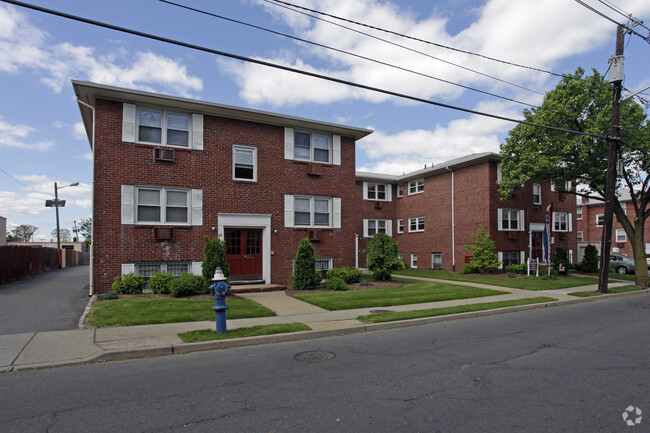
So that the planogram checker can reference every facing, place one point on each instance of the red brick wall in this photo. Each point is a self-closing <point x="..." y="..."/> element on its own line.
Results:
<point x="118" y="163"/>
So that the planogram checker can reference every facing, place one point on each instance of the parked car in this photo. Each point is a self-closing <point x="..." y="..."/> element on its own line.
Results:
<point x="621" y="264"/>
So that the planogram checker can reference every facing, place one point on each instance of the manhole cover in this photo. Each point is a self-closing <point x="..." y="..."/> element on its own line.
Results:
<point x="314" y="356"/>
<point x="381" y="311"/>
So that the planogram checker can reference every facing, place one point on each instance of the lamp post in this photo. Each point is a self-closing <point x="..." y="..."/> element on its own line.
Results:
<point x="56" y="205"/>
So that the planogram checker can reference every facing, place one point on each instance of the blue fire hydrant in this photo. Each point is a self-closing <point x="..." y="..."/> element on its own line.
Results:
<point x="220" y="288"/>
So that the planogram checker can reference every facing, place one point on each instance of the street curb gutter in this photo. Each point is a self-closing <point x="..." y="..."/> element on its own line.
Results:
<point x="186" y="348"/>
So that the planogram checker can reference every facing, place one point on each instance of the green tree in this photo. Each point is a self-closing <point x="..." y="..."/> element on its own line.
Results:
<point x="214" y="256"/>
<point x="86" y="227"/>
<point x="584" y="104"/>
<point x="383" y="256"/>
<point x="590" y="260"/>
<point x="24" y="232"/>
<point x="484" y="254"/>
<point x="305" y="276"/>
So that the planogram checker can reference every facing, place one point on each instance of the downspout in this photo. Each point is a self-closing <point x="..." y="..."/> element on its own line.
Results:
<point x="92" y="201"/>
<point x="453" y="223"/>
<point x="356" y="251"/>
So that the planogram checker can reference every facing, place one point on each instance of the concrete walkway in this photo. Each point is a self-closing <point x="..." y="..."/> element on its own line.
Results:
<point x="48" y="349"/>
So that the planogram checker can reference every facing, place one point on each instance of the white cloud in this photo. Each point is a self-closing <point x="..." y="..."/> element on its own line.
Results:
<point x="24" y="46"/>
<point x="79" y="131"/>
<point x="31" y="200"/>
<point x="17" y="136"/>
<point x="539" y="34"/>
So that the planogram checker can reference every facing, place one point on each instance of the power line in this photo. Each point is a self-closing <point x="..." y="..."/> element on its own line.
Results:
<point x="403" y="47"/>
<point x="628" y="28"/>
<point x="289" y="69"/>
<point x="359" y="56"/>
<point x="16" y="180"/>
<point x="414" y="38"/>
<point x="621" y="12"/>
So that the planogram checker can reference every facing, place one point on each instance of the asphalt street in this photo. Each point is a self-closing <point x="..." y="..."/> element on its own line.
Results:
<point x="565" y="369"/>
<point x="51" y="301"/>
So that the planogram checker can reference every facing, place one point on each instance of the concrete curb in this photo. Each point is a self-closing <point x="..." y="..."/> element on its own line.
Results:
<point x="186" y="348"/>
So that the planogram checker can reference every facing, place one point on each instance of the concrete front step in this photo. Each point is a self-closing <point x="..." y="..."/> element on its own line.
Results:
<point x="256" y="288"/>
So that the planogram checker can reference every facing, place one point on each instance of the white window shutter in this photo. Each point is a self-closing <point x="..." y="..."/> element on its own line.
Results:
<point x="522" y="225"/>
<point x="389" y="192"/>
<point x="288" y="211"/>
<point x="570" y="222"/>
<point x="389" y="228"/>
<point x="365" y="228"/>
<point x="288" y="145"/>
<point x="522" y="257"/>
<point x="336" y="150"/>
<point x="500" y="219"/>
<point x="499" y="173"/>
<point x="128" y="203"/>
<point x="128" y="122"/>
<point x="336" y="220"/>
<point x="197" y="268"/>
<point x="128" y="268"/>
<point x="197" y="207"/>
<point x="500" y="259"/>
<point x="197" y="131"/>
<point x="365" y="190"/>
<point x="552" y="187"/>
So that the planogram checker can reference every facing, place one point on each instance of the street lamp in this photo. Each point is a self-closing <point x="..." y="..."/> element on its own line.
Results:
<point x="57" y="204"/>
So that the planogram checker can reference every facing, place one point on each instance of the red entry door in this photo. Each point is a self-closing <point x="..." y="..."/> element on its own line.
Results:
<point x="244" y="253"/>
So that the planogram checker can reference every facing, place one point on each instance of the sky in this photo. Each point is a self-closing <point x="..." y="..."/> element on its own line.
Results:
<point x="42" y="140"/>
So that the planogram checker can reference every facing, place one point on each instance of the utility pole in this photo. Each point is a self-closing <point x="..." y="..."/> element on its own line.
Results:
<point x="616" y="77"/>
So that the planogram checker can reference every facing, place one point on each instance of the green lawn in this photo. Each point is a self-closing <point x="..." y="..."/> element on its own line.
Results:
<point x="146" y="311"/>
<point x="415" y="293"/>
<point x="621" y="289"/>
<point x="253" y="331"/>
<point x="417" y="314"/>
<point x="525" y="283"/>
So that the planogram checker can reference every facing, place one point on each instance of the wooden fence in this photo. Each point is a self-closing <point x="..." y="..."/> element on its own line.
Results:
<point x="18" y="261"/>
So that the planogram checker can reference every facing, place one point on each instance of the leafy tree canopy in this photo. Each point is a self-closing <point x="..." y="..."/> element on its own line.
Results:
<point x="24" y="232"/>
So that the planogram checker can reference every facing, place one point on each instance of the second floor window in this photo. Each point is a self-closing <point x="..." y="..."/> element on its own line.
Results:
<point x="376" y="191"/>
<point x="509" y="219"/>
<point x="400" y="190"/>
<point x="537" y="193"/>
<point x="416" y="186"/>
<point x="163" y="127"/>
<point x="560" y="221"/>
<point x="244" y="163"/>
<point x="311" y="147"/>
<point x="600" y="220"/>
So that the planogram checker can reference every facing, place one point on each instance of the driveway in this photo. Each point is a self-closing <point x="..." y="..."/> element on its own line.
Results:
<point x="51" y="301"/>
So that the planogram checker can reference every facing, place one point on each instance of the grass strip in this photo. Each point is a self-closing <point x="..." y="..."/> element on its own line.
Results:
<point x="522" y="282"/>
<point x="432" y="312"/>
<point x="148" y="311"/>
<point x="622" y="289"/>
<point x="253" y="331"/>
<point x="416" y="293"/>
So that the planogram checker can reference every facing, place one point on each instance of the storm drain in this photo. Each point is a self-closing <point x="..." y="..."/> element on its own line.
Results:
<point x="314" y="356"/>
<point x="381" y="311"/>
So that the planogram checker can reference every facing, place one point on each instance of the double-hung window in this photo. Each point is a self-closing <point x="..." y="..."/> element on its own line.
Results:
<point x="400" y="190"/>
<point x="400" y="225"/>
<point x="560" y="221"/>
<point x="376" y="191"/>
<point x="312" y="211"/>
<point x="416" y="186"/>
<point x="509" y="219"/>
<point x="373" y="226"/>
<point x="163" y="127"/>
<point x="311" y="147"/>
<point x="579" y="212"/>
<point x="436" y="261"/>
<point x="537" y="193"/>
<point x="162" y="205"/>
<point x="600" y="220"/>
<point x="244" y="163"/>
<point x="414" y="261"/>
<point x="620" y="235"/>
<point x="416" y="224"/>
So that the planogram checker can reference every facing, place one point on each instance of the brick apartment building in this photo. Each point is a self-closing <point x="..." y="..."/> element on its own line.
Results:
<point x="169" y="171"/>
<point x="432" y="213"/>
<point x="591" y="216"/>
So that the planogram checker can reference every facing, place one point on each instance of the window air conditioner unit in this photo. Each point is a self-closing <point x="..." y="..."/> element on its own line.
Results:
<point x="314" y="235"/>
<point x="163" y="233"/>
<point x="314" y="169"/>
<point x="378" y="205"/>
<point x="166" y="155"/>
<point x="512" y="235"/>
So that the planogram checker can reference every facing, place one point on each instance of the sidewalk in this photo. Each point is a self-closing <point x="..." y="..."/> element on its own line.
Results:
<point x="49" y="349"/>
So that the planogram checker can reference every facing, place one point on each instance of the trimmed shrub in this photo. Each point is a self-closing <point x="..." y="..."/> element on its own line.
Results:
<point x="349" y="275"/>
<point x="214" y="256"/>
<point x="484" y="254"/>
<point x="590" y="260"/>
<point x="159" y="283"/>
<point x="383" y="256"/>
<point x="517" y="269"/>
<point x="129" y="284"/>
<point x="336" y="283"/>
<point x="305" y="276"/>
<point x="471" y="269"/>
<point x="186" y="285"/>
<point x="107" y="296"/>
